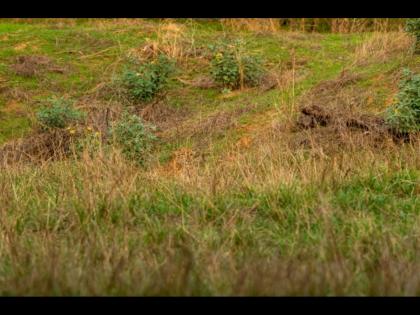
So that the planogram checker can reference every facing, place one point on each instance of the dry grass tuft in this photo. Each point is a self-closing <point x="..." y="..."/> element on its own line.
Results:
<point x="378" y="47"/>
<point x="254" y="25"/>
<point x="172" y="40"/>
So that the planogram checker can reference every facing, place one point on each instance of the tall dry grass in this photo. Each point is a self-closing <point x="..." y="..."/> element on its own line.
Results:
<point x="379" y="46"/>
<point x="334" y="25"/>
<point x="253" y="25"/>
<point x="172" y="39"/>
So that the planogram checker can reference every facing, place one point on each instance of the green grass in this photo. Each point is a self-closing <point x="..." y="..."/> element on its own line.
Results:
<point x="15" y="127"/>
<point x="69" y="46"/>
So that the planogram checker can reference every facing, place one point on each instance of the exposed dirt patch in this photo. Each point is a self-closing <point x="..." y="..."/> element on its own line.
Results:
<point x="312" y="116"/>
<point x="333" y="117"/>
<point x="30" y="66"/>
<point x="339" y="128"/>
<point x="316" y="116"/>
<point x="338" y="120"/>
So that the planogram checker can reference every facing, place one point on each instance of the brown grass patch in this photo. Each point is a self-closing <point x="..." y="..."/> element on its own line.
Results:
<point x="14" y="108"/>
<point x="261" y="26"/>
<point x="244" y="142"/>
<point x="162" y="115"/>
<point x="378" y="47"/>
<point x="182" y="159"/>
<point x="172" y="40"/>
<point x="217" y="123"/>
<point x="332" y="117"/>
<point x="330" y="86"/>
<point x="283" y="75"/>
<point x="16" y="93"/>
<point x="30" y="66"/>
<point x="39" y="147"/>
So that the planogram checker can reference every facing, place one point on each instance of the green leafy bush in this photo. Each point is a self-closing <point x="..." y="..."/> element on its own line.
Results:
<point x="233" y="68"/>
<point x="413" y="27"/>
<point x="59" y="114"/>
<point x="404" y="115"/>
<point x="144" y="82"/>
<point x="134" y="136"/>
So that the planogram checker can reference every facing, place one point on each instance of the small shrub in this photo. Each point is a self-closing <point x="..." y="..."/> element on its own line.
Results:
<point x="404" y="115"/>
<point x="413" y="27"/>
<point x="134" y="136"/>
<point x="59" y="114"/>
<point x="148" y="79"/>
<point x="233" y="68"/>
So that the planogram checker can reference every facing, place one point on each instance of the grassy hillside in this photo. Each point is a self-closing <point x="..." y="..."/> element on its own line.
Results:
<point x="235" y="198"/>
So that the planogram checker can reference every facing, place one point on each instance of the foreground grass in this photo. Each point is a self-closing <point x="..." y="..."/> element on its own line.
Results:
<point x="100" y="226"/>
<point x="266" y="218"/>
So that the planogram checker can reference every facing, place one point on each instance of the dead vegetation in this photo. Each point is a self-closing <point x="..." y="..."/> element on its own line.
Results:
<point x="378" y="47"/>
<point x="172" y="40"/>
<point x="36" y="148"/>
<point x="263" y="26"/>
<point x="163" y="116"/>
<point x="332" y="116"/>
<point x="15" y="93"/>
<point x="184" y="162"/>
<point x="33" y="65"/>
<point x="283" y="75"/>
<point x="214" y="125"/>
<point x="85" y="42"/>
<point x="331" y="86"/>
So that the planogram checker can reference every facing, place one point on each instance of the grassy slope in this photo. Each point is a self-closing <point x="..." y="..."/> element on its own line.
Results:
<point x="262" y="220"/>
